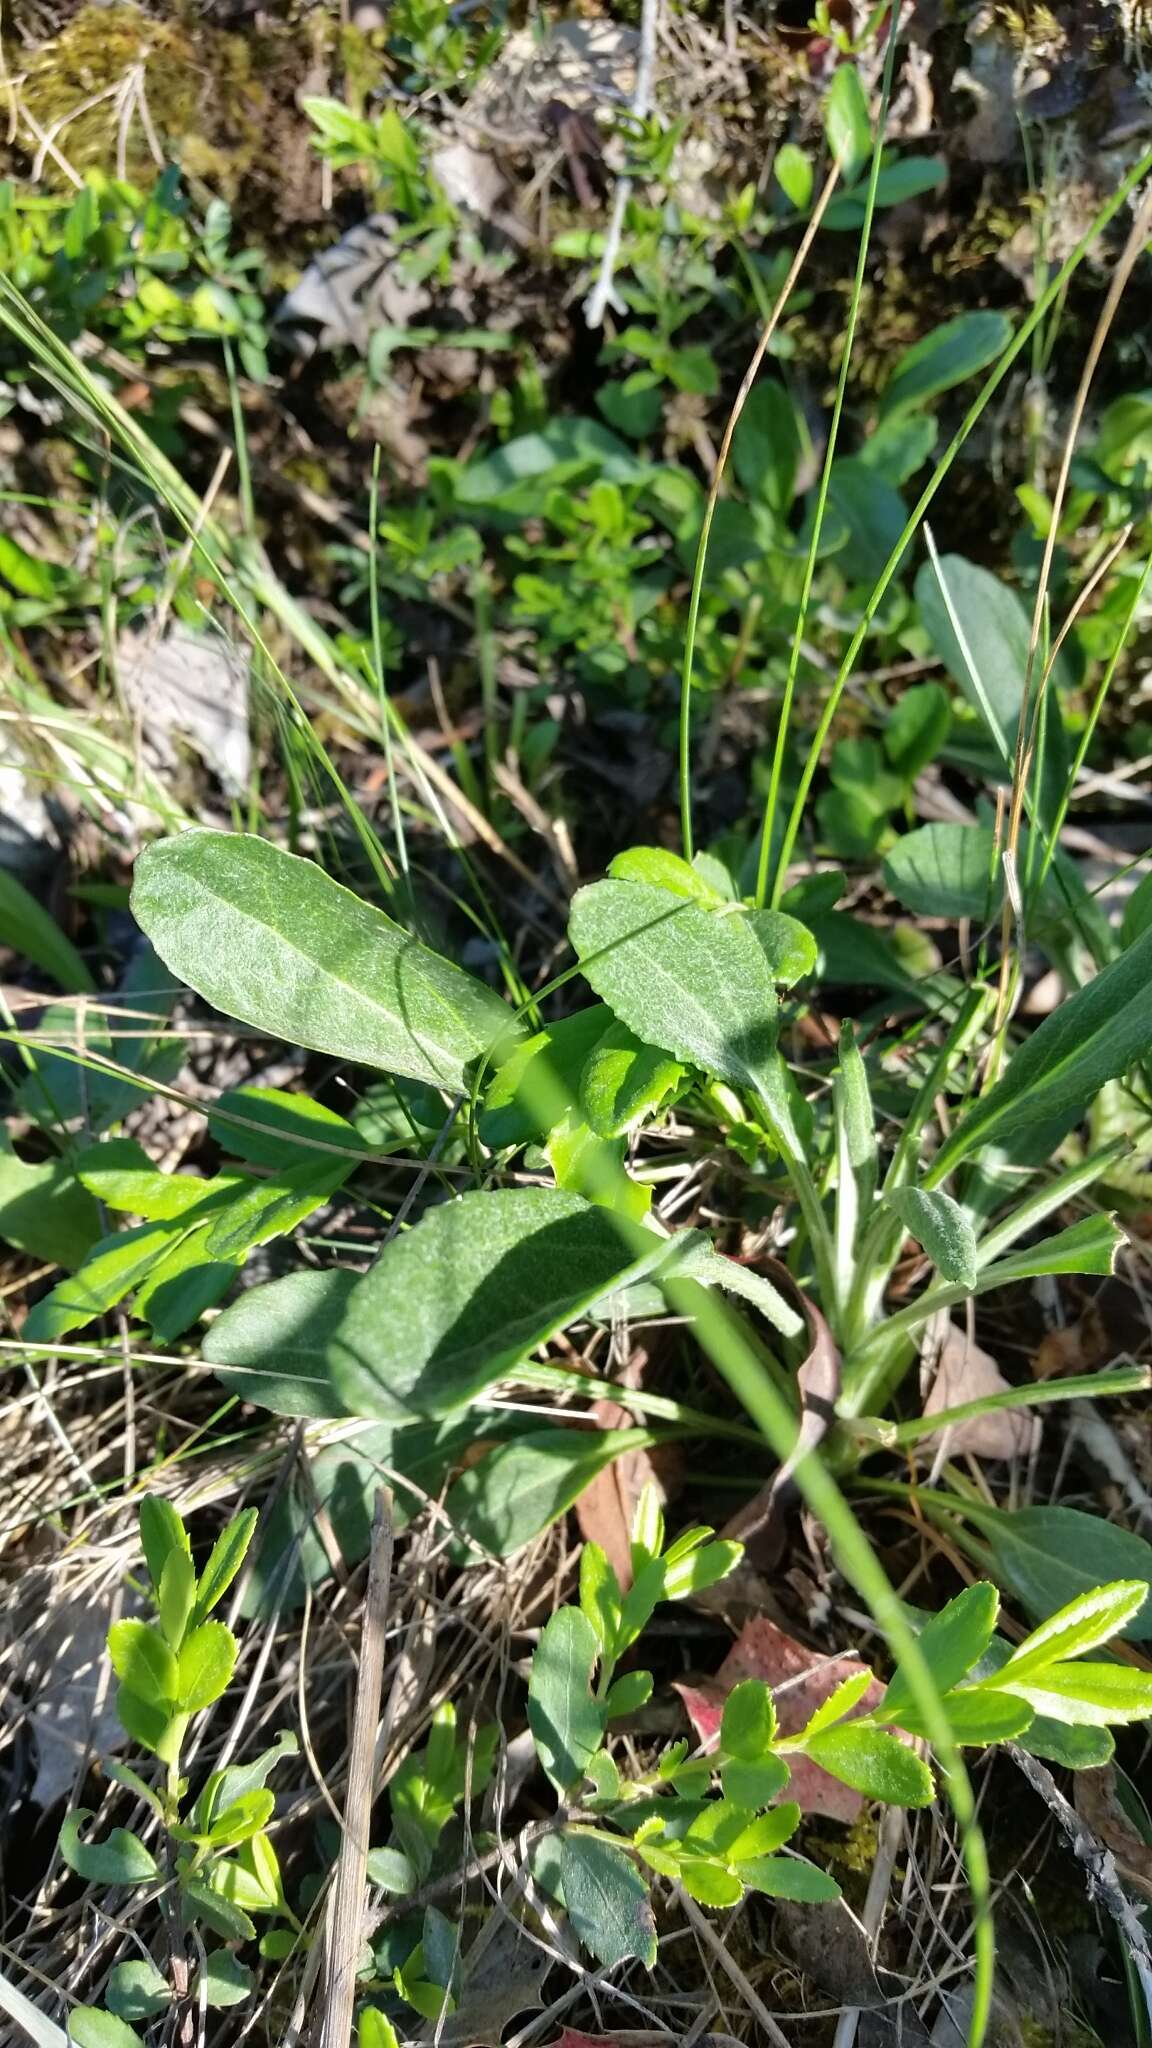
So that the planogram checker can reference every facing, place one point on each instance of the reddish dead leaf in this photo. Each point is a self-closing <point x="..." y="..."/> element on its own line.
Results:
<point x="606" y="1508"/>
<point x="962" y="1373"/>
<point x="801" y="1680"/>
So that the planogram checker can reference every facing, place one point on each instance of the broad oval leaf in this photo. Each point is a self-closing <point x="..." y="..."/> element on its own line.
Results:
<point x="1049" y="1557"/>
<point x="567" y="1723"/>
<point x="520" y="1488"/>
<point x="946" y="870"/>
<point x="120" y="1859"/>
<point x="946" y="356"/>
<point x="606" y="1899"/>
<point x="137" y="1990"/>
<point x="143" y="1661"/>
<point x="271" y="1346"/>
<point x="454" y="1304"/>
<point x="207" y="1661"/>
<point x="89" y="2027"/>
<point x="788" y="946"/>
<point x="873" y="1763"/>
<point x="748" y="1725"/>
<point x="270" y="939"/>
<point x="694" y="982"/>
<point x="943" y="1228"/>
<point x="623" y="1081"/>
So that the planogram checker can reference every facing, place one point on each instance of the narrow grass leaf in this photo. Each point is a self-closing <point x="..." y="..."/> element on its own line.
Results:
<point x="26" y="927"/>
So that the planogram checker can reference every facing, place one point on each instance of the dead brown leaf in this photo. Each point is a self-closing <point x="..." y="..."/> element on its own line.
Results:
<point x="1094" y="1793"/>
<point x="961" y="1371"/>
<point x="606" y="1509"/>
<point x="1080" y="1348"/>
<point x="759" y="1526"/>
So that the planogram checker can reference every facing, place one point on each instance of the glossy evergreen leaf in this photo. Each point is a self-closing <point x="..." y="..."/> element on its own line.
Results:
<point x="567" y="1723"/>
<point x="271" y="1345"/>
<point x="943" y="1228"/>
<point x="692" y="981"/>
<point x="270" y="939"/>
<point x="455" y="1303"/>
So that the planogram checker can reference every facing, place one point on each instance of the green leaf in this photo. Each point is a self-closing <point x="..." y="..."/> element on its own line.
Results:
<point x="222" y="1914"/>
<point x="793" y="172"/>
<point x="691" y="981"/>
<point x="42" y="1209"/>
<point x="120" y="1174"/>
<point x="88" y="2027"/>
<point x="176" y="1596"/>
<point x="120" y="1859"/>
<point x="226" y="1980"/>
<point x="988" y="657"/>
<point x="225" y="1787"/>
<point x="137" y="1991"/>
<point x="846" y="123"/>
<point x="753" y="1785"/>
<point x="455" y="1303"/>
<point x="917" y="729"/>
<point x="1083" y="1625"/>
<point x="978" y="1717"/>
<point x="242" y="1818"/>
<point x="624" y="1081"/>
<point x="788" y="946"/>
<point x="1089" y="1246"/>
<point x="659" y="869"/>
<point x="873" y="1763"/>
<point x="263" y="1210"/>
<point x="766" y="453"/>
<point x="628" y="1694"/>
<point x="567" y="1723"/>
<point x="1049" y="1557"/>
<point x="847" y="1695"/>
<point x="161" y="1532"/>
<point x="111" y="1270"/>
<point x="761" y="1837"/>
<point x="709" y="1882"/>
<point x="521" y="1487"/>
<point x="600" y="1595"/>
<point x="706" y="1566"/>
<point x="227" y="1555"/>
<point x="154" y="1725"/>
<point x="1085" y="1694"/>
<point x="143" y="1661"/>
<point x="270" y="939"/>
<point x="207" y="1661"/>
<point x="606" y="1900"/>
<point x="948" y="871"/>
<point x="287" y="1127"/>
<point x="943" y="1228"/>
<point x="951" y="1644"/>
<point x="1091" y="1038"/>
<point x="271" y="1346"/>
<point x="748" y="1726"/>
<point x="790" y="1877"/>
<point x="534" y="1086"/>
<point x="27" y="928"/>
<point x="945" y="357"/>
<point x="392" y="1871"/>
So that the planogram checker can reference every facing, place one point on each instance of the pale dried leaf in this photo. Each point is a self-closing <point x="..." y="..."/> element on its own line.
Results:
<point x="961" y="1372"/>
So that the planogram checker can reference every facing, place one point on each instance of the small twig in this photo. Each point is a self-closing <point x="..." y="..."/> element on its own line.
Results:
<point x="1099" y="1866"/>
<point x="346" y="1911"/>
<point x="602" y="295"/>
<point x="732" y="1970"/>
